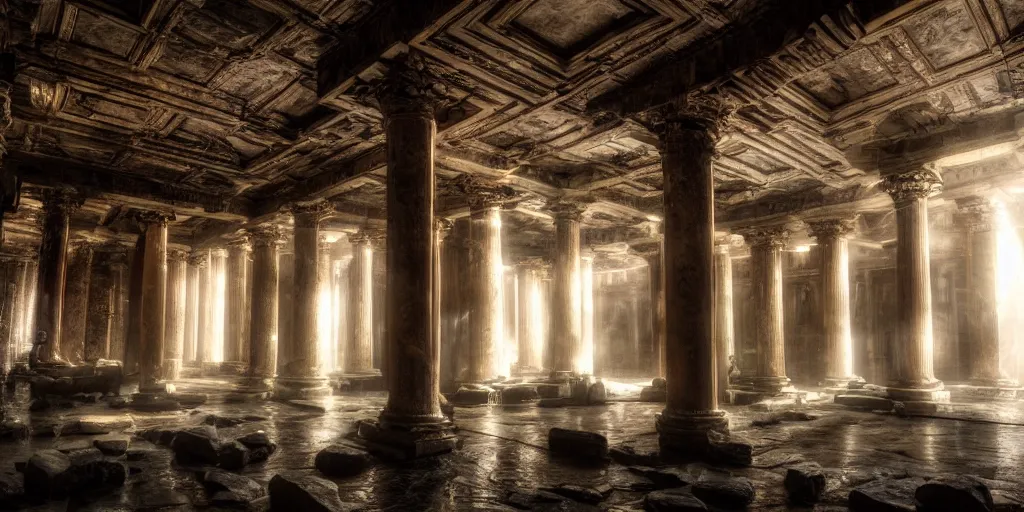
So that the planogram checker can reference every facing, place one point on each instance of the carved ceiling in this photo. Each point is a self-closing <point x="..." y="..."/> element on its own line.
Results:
<point x="224" y="111"/>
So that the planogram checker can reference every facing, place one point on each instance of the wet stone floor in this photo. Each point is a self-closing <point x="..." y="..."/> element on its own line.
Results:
<point x="505" y="449"/>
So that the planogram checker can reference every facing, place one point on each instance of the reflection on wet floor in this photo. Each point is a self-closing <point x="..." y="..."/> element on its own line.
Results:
<point x="506" y="448"/>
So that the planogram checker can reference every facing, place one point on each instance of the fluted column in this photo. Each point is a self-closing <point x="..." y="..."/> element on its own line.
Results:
<point x="655" y="272"/>
<point x="442" y="227"/>
<point x="567" y="296"/>
<point x="412" y="421"/>
<point x="766" y="246"/>
<point x="204" y="320"/>
<point x="983" y="367"/>
<point x="235" y="301"/>
<point x="587" y="315"/>
<point x="58" y="204"/>
<point x="20" y="331"/>
<point x="359" y="353"/>
<point x="133" y="335"/>
<point x="326" y="340"/>
<point x="299" y="371"/>
<point x="119" y="305"/>
<point x="835" y="300"/>
<point x="101" y="305"/>
<point x="723" y="316"/>
<point x="688" y="139"/>
<point x="189" y="354"/>
<point x="31" y="292"/>
<point x="263" y="322"/>
<point x="529" y="328"/>
<point x="912" y="375"/>
<point x="174" y="315"/>
<point x="9" y="267"/>
<point x="154" y="298"/>
<point x="76" y="299"/>
<point x="487" y="327"/>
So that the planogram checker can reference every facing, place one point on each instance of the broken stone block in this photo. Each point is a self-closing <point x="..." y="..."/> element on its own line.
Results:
<point x="659" y="383"/>
<point x="92" y="425"/>
<point x="729" y="449"/>
<point x="341" y="461"/>
<point x="12" y="489"/>
<point x="797" y="416"/>
<point x="664" y="478"/>
<point x="113" y="445"/>
<point x="230" y="489"/>
<point x="578" y="444"/>
<point x="259" y="444"/>
<point x="232" y="456"/>
<point x="628" y="455"/>
<point x="290" y="491"/>
<point x="597" y="394"/>
<point x="864" y="402"/>
<point x="805" y="483"/>
<point x="653" y="394"/>
<point x="197" y="444"/>
<point x="724" y="492"/>
<point x="158" y="436"/>
<point x="886" y="496"/>
<point x="516" y="395"/>
<point x="673" y="500"/>
<point x="467" y="396"/>
<point x="576" y="493"/>
<point x="46" y="474"/>
<point x="16" y="430"/>
<point x="954" y="492"/>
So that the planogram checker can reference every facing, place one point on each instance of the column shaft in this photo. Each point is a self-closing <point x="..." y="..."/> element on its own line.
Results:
<point x="10" y="268"/>
<point x="723" y="318"/>
<point x="133" y="337"/>
<point x="359" y="355"/>
<point x="835" y="299"/>
<point x="766" y="275"/>
<point x="76" y="300"/>
<point x="119" y="307"/>
<point x="529" y="308"/>
<point x="154" y="293"/>
<point x="263" y="323"/>
<point x="53" y="251"/>
<point x="655" y="266"/>
<point x="567" y="300"/>
<point x="174" y="316"/>
<point x="487" y="323"/>
<point x="204" y="322"/>
<point x="587" y="316"/>
<point x="22" y="288"/>
<point x="101" y="307"/>
<point x="235" y="300"/>
<point x="191" y="309"/>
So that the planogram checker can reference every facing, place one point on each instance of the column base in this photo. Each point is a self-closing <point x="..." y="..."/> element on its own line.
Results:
<point x="769" y="385"/>
<point x="406" y="441"/>
<point x="301" y="388"/>
<point x="1000" y="382"/>
<point x="841" y="382"/>
<point x="917" y="392"/>
<point x="172" y="369"/>
<point x="687" y="433"/>
<point x="987" y="389"/>
<point x="233" y="368"/>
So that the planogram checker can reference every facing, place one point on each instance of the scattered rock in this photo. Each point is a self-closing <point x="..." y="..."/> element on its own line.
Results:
<point x="158" y="495"/>
<point x="725" y="492"/>
<point x="576" y="493"/>
<point x="114" y="446"/>
<point x="342" y="461"/>
<point x="673" y="500"/>
<point x="578" y="444"/>
<point x="885" y="496"/>
<point x="653" y="394"/>
<point x="306" y="493"/>
<point x="552" y="402"/>
<point x="664" y="478"/>
<point x="228" y="488"/>
<point x="629" y="456"/>
<point x="259" y="444"/>
<point x="197" y="444"/>
<point x="16" y="430"/>
<point x="12" y="489"/>
<point x="525" y="500"/>
<point x="597" y="394"/>
<point x="659" y="383"/>
<point x="104" y="424"/>
<point x="232" y="456"/>
<point x="730" y="449"/>
<point x="962" y="493"/>
<point x="45" y="474"/>
<point x="766" y="421"/>
<point x="515" y="395"/>
<point x="157" y="436"/>
<point x="230" y="421"/>
<point x="805" y="483"/>
<point x="466" y="396"/>
<point x="797" y="416"/>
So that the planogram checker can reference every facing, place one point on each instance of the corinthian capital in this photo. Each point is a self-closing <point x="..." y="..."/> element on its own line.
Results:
<point x="907" y="186"/>
<point x="767" y="236"/>
<point x="409" y="87"/>
<point x="309" y="215"/>
<point x="483" y="194"/>
<point x="568" y="209"/>
<point x="61" y="201"/>
<point x="975" y="214"/>
<point x="149" y="218"/>
<point x="442" y="227"/>
<point x="697" y="116"/>
<point x="199" y="258"/>
<point x="265" y="235"/>
<point x="831" y="228"/>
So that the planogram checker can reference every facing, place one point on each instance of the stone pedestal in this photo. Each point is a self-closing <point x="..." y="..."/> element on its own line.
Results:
<point x="154" y="294"/>
<point x="263" y="323"/>
<point x="412" y="424"/>
<point x="174" y="317"/>
<point x="359" y="352"/>
<point x="566" y="290"/>
<point x="299" y="371"/>
<point x="912" y="377"/>
<point x="766" y="274"/>
<point x="835" y="299"/>
<point x="58" y="204"/>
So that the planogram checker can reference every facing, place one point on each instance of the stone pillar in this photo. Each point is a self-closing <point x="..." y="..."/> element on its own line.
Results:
<point x="529" y="318"/>
<point x="119" y="304"/>
<point x="235" y="300"/>
<point x="723" y="317"/>
<point x="76" y="300"/>
<point x="299" y="372"/>
<point x="190" y="352"/>
<point x="487" y="323"/>
<point x="218" y="291"/>
<point x="359" y="352"/>
<point x="9" y="268"/>
<point x="20" y="321"/>
<point x="766" y="277"/>
<point x="204" y="296"/>
<point x="566" y="297"/>
<point x="412" y="422"/>
<point x="174" y="316"/>
<point x="442" y="227"/>
<point x="835" y="298"/>
<point x="154" y="298"/>
<point x="133" y="336"/>
<point x="587" y="315"/>
<point x="31" y="292"/>
<point x="688" y="141"/>
<point x="655" y="266"/>
<point x="58" y="204"/>
<point x="263" y="320"/>
<point x="285" y="303"/>
<point x="975" y="217"/>
<point x="912" y="375"/>
<point x="101" y="306"/>
<point x="326" y="340"/>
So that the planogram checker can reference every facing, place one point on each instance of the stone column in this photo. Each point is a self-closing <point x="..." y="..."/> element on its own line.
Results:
<point x="174" y="316"/>
<point x="655" y="266"/>
<point x="9" y="268"/>
<point x="486" y="319"/>
<point x="723" y="317"/>
<point x="412" y="422"/>
<point x="263" y="320"/>
<point x="688" y="141"/>
<point x="119" y="304"/>
<point x="285" y="303"/>
<point x="975" y="217"/>
<point x="204" y="296"/>
<point x="192" y="307"/>
<point x="58" y="204"/>
<point x="299" y="372"/>
<point x="133" y="336"/>
<point x="235" y="298"/>
<point x="31" y="292"/>
<point x="101" y="306"/>
<point x="154" y="298"/>
<point x="22" y="283"/>
<point x="359" y="352"/>
<point x="442" y="227"/>
<point x="766" y="277"/>
<point x="835" y="298"/>
<point x="326" y="339"/>
<point x="529" y="318"/>
<point x="566" y="297"/>
<point x="76" y="300"/>
<point x="587" y="315"/>
<point x="912" y="375"/>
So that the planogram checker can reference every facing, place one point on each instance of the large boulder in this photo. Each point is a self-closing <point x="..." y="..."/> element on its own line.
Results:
<point x="805" y="483"/>
<point x="673" y="500"/>
<point x="232" y="456"/>
<point x="724" y="492"/>
<point x="341" y="461"/>
<point x="46" y="475"/>
<point x="198" y="444"/>
<point x="306" y="493"/>
<point x="886" y="496"/>
<point x="578" y="444"/>
<point x="229" y="489"/>
<point x="962" y="493"/>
